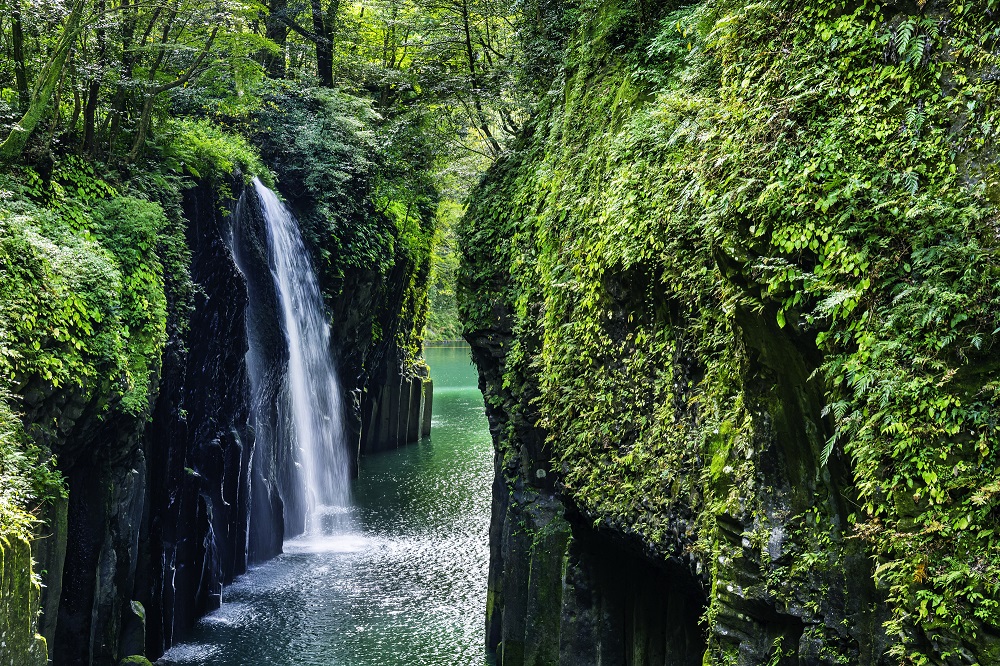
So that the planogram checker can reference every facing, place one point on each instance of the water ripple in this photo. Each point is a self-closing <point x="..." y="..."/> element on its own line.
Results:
<point x="405" y="587"/>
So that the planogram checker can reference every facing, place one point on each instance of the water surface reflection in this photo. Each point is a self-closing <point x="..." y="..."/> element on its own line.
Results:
<point x="406" y="587"/>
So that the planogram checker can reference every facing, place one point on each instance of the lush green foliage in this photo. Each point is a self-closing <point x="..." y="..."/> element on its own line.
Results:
<point x="204" y="150"/>
<point x="104" y="77"/>
<point x="443" y="322"/>
<point x="83" y="300"/>
<point x="341" y="99"/>
<point x="745" y="182"/>
<point x="27" y="478"/>
<point x="109" y="109"/>
<point x="82" y="308"/>
<point x="94" y="75"/>
<point x="322" y="145"/>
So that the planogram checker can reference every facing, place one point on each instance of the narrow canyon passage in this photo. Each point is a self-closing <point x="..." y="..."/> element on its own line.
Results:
<point x="406" y="586"/>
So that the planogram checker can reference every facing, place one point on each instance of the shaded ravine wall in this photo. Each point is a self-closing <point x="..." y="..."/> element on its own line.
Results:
<point x="662" y="400"/>
<point x="562" y="590"/>
<point x="200" y="440"/>
<point x="568" y="586"/>
<point x="165" y="509"/>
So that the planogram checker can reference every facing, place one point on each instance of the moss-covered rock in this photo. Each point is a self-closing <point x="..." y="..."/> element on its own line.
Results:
<point x="735" y="295"/>
<point x="20" y="642"/>
<point x="135" y="660"/>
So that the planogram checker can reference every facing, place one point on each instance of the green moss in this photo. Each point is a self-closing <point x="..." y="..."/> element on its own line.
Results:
<point x="20" y="643"/>
<point x="719" y="445"/>
<point x="82" y="302"/>
<point x="737" y="213"/>
<point x="135" y="660"/>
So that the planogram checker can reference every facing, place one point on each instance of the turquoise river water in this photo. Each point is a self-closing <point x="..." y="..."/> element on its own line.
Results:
<point x="405" y="586"/>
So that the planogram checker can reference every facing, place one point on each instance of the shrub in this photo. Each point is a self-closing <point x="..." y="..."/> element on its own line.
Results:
<point x="204" y="150"/>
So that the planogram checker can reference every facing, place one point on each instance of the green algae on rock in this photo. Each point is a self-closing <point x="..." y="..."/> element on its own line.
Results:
<point x="20" y="642"/>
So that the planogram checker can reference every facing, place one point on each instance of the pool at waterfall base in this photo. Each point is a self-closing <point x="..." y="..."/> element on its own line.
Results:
<point x="405" y="584"/>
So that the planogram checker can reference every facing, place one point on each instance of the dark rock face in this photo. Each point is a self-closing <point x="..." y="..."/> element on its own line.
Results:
<point x="95" y="543"/>
<point x="396" y="411"/>
<point x="266" y="362"/>
<point x="200" y="441"/>
<point x="686" y="544"/>
<point x="655" y="329"/>
<point x="158" y="518"/>
<point x="49" y="553"/>
<point x="560" y="592"/>
<point x="104" y="521"/>
<point x="636" y="612"/>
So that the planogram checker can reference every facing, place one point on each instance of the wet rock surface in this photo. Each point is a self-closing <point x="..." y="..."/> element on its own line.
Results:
<point x="200" y="440"/>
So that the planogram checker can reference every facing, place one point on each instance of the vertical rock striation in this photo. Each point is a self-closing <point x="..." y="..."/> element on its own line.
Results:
<point x="200" y="441"/>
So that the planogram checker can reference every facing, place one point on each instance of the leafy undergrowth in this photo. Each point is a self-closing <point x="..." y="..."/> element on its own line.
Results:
<point x="28" y="479"/>
<point x="85" y="260"/>
<point x="819" y="172"/>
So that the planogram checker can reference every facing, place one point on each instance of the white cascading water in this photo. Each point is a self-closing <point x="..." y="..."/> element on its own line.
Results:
<point x="314" y="395"/>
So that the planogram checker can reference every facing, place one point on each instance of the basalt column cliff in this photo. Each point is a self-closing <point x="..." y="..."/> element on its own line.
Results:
<point x="733" y="301"/>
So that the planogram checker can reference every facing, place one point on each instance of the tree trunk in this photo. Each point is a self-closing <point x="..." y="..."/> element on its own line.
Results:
<point x="276" y="30"/>
<point x="120" y="106"/>
<point x="14" y="144"/>
<point x="90" y="115"/>
<point x="144" y="121"/>
<point x="324" y="46"/>
<point x="94" y="93"/>
<point x="484" y="125"/>
<point x="56" y="103"/>
<point x="17" y="46"/>
<point x="150" y="100"/>
<point x="77" y="105"/>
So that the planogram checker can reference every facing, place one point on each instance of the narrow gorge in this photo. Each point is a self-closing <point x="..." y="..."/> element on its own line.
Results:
<point x="245" y="446"/>
<point x="723" y="276"/>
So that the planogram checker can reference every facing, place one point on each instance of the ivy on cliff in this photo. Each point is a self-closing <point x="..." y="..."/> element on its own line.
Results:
<point x="822" y="169"/>
<point x="85" y="266"/>
<point x="28" y="478"/>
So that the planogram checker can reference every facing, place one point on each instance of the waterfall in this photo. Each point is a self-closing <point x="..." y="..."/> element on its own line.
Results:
<point x="314" y="488"/>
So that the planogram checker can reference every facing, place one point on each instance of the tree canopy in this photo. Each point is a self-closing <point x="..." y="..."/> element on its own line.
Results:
<point x="102" y="77"/>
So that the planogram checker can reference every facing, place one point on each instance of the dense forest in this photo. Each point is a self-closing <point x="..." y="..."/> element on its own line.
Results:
<point x="108" y="110"/>
<point x="729" y="271"/>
